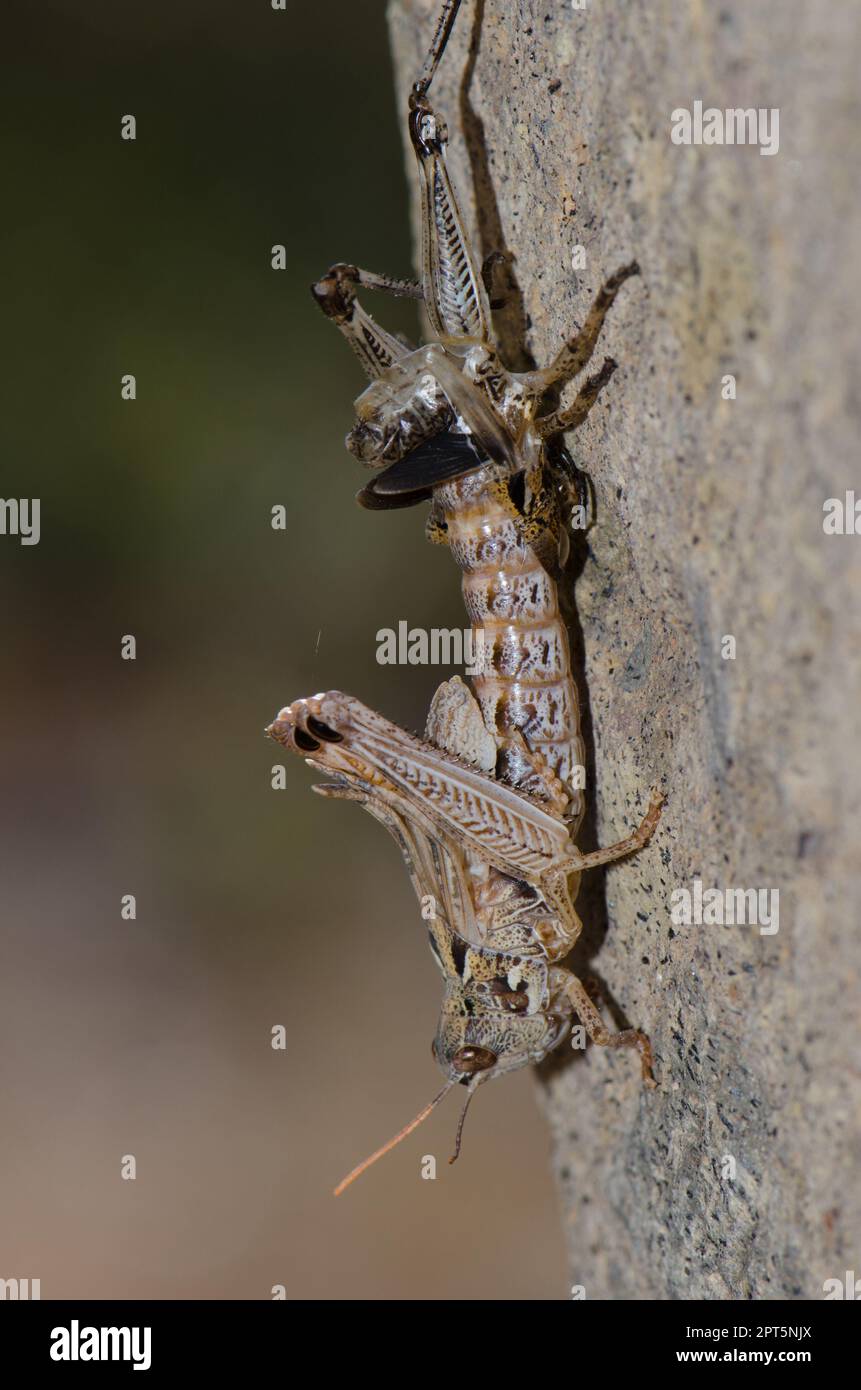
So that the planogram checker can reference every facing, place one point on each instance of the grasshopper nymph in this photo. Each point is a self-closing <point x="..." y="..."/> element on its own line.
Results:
<point x="486" y="807"/>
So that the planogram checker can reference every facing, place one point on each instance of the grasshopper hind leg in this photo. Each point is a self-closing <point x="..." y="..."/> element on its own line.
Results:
<point x="335" y="292"/>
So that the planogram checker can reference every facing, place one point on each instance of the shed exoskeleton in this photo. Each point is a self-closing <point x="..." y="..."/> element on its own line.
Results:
<point x="485" y="808"/>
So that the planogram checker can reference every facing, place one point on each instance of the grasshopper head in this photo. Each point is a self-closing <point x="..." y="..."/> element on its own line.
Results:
<point x="476" y="1042"/>
<point x="472" y="1045"/>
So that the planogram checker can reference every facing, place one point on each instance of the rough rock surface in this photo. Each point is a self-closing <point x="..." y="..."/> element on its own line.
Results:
<point x="737" y="1178"/>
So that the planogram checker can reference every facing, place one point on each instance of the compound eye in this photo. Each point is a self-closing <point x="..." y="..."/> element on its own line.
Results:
<point x="304" y="741"/>
<point x="469" y="1060"/>
<point x="322" y="731"/>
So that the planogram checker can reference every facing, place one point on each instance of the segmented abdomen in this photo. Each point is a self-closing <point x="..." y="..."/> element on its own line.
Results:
<point x="526" y="681"/>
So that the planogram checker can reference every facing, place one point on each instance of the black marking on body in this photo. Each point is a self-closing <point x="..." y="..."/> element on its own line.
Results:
<point x="517" y="490"/>
<point x="374" y="346"/>
<point x="514" y="998"/>
<point x="458" y="953"/>
<point x="318" y="729"/>
<point x="435" y="949"/>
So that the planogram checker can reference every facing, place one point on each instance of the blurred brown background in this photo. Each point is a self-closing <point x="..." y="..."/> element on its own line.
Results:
<point x="254" y="907"/>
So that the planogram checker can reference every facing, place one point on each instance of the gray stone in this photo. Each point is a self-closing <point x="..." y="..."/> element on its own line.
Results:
<point x="708" y="522"/>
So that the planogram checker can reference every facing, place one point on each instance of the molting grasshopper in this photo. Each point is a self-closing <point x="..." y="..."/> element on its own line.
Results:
<point x="485" y="808"/>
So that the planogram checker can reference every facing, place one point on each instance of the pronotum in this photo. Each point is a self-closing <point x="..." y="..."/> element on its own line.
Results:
<point x="485" y="808"/>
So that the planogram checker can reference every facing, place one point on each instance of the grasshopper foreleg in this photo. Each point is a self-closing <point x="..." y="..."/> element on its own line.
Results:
<point x="577" y="997"/>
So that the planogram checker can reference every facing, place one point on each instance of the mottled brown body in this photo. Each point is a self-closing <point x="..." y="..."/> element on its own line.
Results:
<point x="526" y="686"/>
<point x="484" y="808"/>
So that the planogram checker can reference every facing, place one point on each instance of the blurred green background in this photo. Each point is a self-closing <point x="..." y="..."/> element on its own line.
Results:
<point x="254" y="907"/>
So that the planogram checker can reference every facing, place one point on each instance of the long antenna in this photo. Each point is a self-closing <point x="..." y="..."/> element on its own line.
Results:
<point x="445" y="24"/>
<point x="402" y="1134"/>
<point x="459" y="1135"/>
